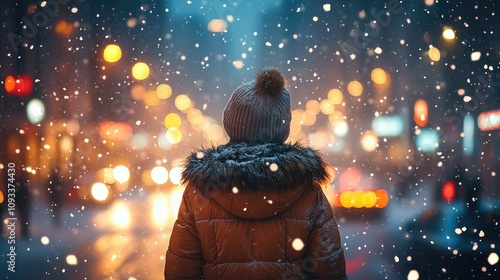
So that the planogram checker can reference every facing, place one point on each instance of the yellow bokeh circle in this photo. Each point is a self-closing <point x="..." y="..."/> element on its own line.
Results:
<point x="172" y="120"/>
<point x="174" y="135"/>
<point x="182" y="102"/>
<point x="112" y="53"/>
<point x="335" y="95"/>
<point x="163" y="91"/>
<point x="140" y="71"/>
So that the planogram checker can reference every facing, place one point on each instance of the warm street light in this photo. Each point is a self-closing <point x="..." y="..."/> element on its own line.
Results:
<point x="448" y="34"/>
<point x="378" y="76"/>
<point x="140" y="71"/>
<point x="355" y="88"/>
<point x="112" y="53"/>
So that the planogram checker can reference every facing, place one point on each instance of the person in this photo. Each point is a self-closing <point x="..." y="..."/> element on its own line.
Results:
<point x="254" y="208"/>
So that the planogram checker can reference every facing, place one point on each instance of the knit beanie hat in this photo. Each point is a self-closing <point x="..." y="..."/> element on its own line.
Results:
<point x="258" y="111"/>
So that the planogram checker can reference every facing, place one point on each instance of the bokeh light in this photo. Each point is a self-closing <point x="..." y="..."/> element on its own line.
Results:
<point x="378" y="76"/>
<point x="217" y="25"/>
<point x="308" y="118"/>
<point x="182" y="102"/>
<point x="63" y="28"/>
<point x="448" y="191"/>
<point x="420" y="112"/>
<point x="151" y="99"/>
<point x="340" y="128"/>
<point x="369" y="141"/>
<point x="327" y="107"/>
<point x="121" y="173"/>
<point x="172" y="120"/>
<point x="159" y="175"/>
<point x="382" y="198"/>
<point x="369" y="199"/>
<point x="140" y="71"/>
<point x="357" y="198"/>
<point x="355" y="88"/>
<point x="71" y="259"/>
<point x="138" y="92"/>
<point x="163" y="91"/>
<point x="448" y="34"/>
<point x="35" y="110"/>
<point x="336" y="96"/>
<point x="336" y="117"/>
<point x="73" y="127"/>
<point x="112" y="53"/>
<point x="65" y="144"/>
<point x="9" y="84"/>
<point x="434" y="54"/>
<point x="313" y="107"/>
<point x="174" y="135"/>
<point x="347" y="199"/>
<point x="195" y="116"/>
<point x="106" y="175"/>
<point x="99" y="191"/>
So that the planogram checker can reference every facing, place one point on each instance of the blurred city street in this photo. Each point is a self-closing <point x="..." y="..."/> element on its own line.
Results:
<point x="122" y="240"/>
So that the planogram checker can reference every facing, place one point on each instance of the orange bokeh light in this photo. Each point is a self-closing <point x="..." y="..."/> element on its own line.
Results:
<point x="10" y="84"/>
<point x="115" y="130"/>
<point x="421" y="113"/>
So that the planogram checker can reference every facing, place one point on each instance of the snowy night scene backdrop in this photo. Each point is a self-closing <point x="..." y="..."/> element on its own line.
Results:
<point x="100" y="101"/>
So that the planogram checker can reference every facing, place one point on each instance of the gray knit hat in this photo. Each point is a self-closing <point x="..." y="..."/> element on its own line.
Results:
<point x="258" y="111"/>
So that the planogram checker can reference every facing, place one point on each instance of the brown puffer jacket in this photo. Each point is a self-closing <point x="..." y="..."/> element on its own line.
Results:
<point x="255" y="212"/>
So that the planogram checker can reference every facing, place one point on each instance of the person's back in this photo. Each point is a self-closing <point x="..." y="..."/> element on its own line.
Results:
<point x="254" y="208"/>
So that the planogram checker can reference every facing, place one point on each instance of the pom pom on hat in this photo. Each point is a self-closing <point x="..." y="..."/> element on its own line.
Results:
<point x="258" y="111"/>
<point x="270" y="81"/>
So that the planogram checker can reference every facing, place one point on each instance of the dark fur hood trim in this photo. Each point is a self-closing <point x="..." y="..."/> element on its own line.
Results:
<point x="255" y="167"/>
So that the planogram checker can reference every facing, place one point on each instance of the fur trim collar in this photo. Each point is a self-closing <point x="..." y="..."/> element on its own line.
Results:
<point x="269" y="166"/>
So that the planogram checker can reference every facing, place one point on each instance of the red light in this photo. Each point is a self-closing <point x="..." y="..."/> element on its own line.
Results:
<point x="448" y="191"/>
<point x="21" y="86"/>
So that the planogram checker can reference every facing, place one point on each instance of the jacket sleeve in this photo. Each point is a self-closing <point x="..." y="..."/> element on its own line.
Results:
<point x="184" y="259"/>
<point x="324" y="256"/>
